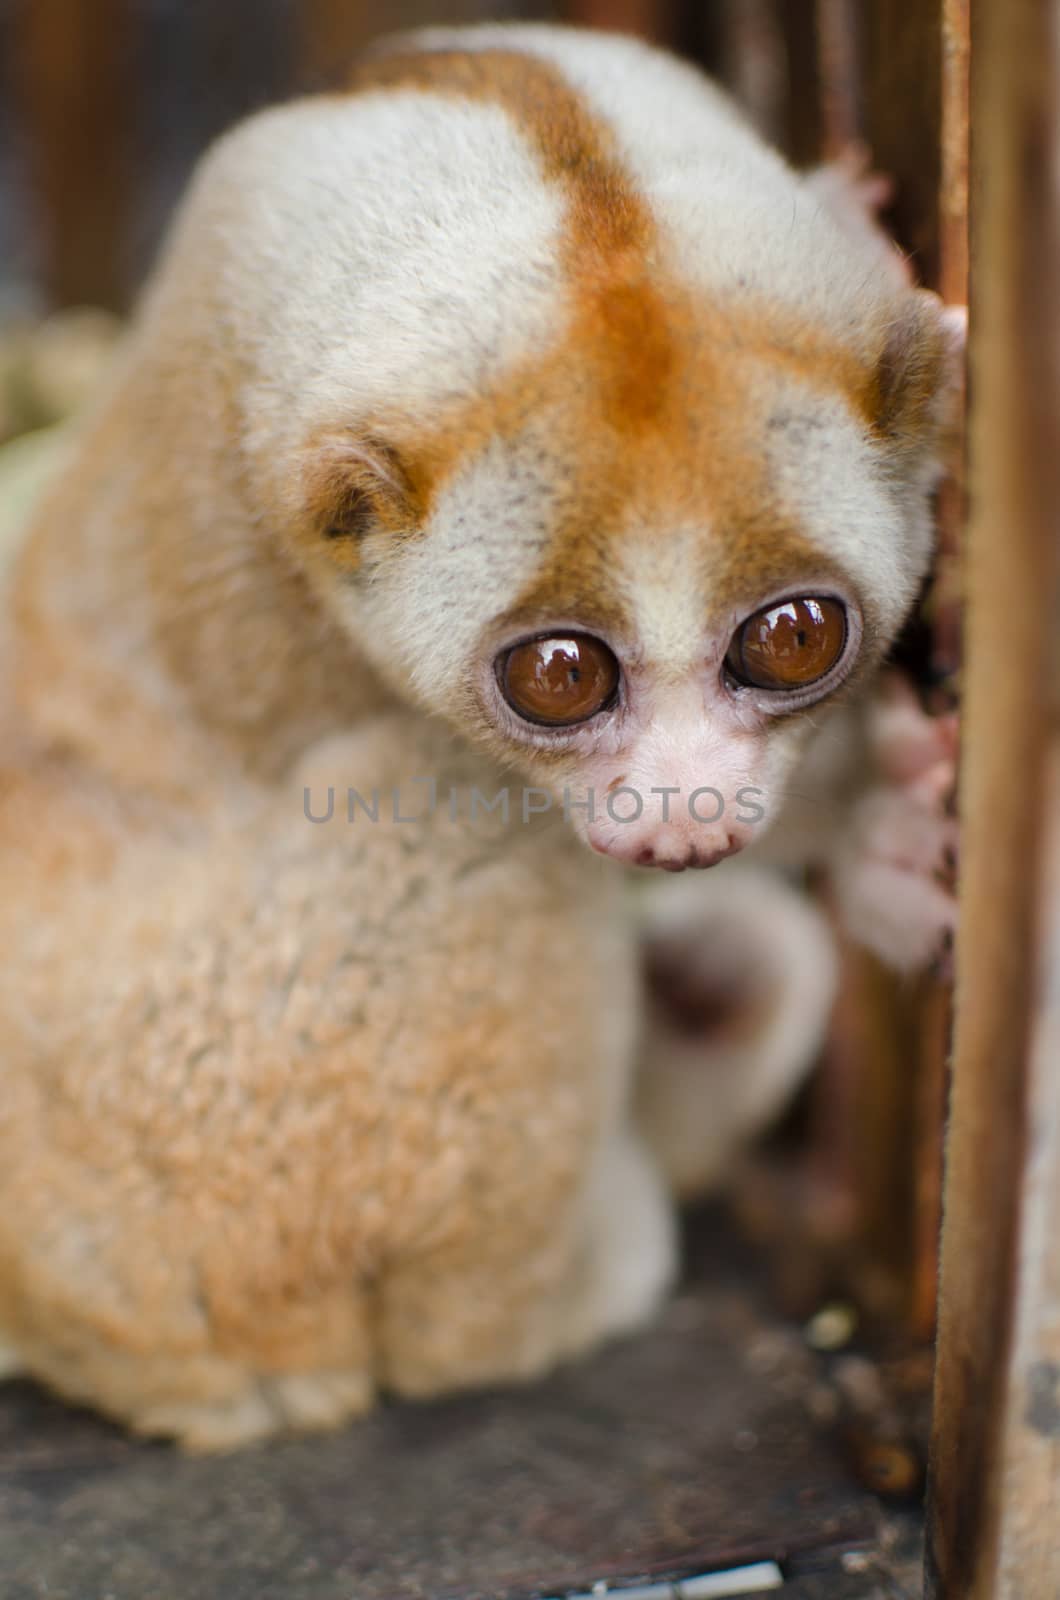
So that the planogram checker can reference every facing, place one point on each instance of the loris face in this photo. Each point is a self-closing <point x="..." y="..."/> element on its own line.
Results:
<point x="645" y="607"/>
<point x="640" y="558"/>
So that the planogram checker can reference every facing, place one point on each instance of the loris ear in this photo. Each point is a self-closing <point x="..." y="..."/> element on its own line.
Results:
<point x="350" y="486"/>
<point x="920" y="375"/>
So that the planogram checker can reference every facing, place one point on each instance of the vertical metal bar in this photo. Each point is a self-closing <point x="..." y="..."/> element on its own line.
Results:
<point x="997" y="1409"/>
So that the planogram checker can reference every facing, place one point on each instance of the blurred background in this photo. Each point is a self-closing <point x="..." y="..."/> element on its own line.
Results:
<point x="105" y="104"/>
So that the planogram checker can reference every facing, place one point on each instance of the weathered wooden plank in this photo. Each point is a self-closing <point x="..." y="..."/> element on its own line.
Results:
<point x="993" y="1511"/>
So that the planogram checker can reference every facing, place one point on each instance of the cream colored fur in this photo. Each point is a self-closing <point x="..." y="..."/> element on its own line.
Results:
<point x="292" y="1111"/>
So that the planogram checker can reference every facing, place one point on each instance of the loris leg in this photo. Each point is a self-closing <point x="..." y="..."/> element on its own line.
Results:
<point x="894" y="866"/>
<point x="741" y="973"/>
<point x="198" y="1396"/>
<point x="495" y="1306"/>
<point x="309" y="1402"/>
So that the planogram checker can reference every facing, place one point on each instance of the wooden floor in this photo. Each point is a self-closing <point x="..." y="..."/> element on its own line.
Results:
<point x="704" y="1444"/>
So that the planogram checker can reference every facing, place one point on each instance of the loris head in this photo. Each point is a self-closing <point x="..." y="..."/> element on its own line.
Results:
<point x="590" y="425"/>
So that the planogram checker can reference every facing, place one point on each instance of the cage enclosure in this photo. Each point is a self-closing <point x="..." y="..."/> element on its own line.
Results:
<point x="821" y="1411"/>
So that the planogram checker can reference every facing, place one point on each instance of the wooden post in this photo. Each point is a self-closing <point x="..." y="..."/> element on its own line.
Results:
<point x="902" y="50"/>
<point x="945" y="610"/>
<point x="650" y="19"/>
<point x="330" y="32"/>
<point x="804" y="133"/>
<point x="840" y="76"/>
<point x="994" y="1502"/>
<point x="753" y="62"/>
<point x="71" y="81"/>
<point x="877" y="1133"/>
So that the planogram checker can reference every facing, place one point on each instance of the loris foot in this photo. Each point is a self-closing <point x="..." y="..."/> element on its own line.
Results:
<point x="895" y="869"/>
<point x="290" y="1403"/>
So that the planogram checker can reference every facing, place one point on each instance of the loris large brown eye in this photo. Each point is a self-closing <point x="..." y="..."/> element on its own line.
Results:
<point x="559" y="681"/>
<point x="789" y="645"/>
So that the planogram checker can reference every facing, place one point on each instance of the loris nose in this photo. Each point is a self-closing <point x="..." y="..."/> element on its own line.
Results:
<point x="672" y="847"/>
<point x="692" y="856"/>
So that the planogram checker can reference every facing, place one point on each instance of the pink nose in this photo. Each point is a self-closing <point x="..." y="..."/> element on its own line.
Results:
<point x="693" y="856"/>
<point x="671" y="849"/>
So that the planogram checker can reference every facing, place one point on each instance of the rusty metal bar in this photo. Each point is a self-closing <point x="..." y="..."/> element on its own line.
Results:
<point x="994" y="1491"/>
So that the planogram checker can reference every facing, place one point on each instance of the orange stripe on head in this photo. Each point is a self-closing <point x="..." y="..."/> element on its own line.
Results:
<point x="610" y="239"/>
<point x="651" y="398"/>
<point x="632" y="325"/>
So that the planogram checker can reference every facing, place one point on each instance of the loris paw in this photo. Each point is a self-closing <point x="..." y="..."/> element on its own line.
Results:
<point x="291" y="1403"/>
<point x="854" y="195"/>
<point x="895" y="869"/>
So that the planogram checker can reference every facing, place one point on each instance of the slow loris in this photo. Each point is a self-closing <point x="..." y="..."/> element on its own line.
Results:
<point x="514" y="420"/>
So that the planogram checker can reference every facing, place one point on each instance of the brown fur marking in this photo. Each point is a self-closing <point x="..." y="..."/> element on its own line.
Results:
<point x="664" y="425"/>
